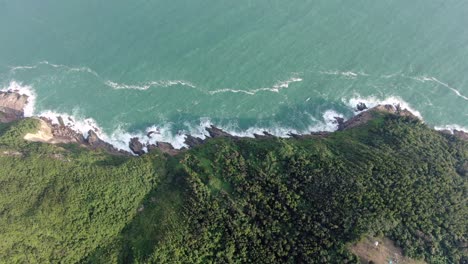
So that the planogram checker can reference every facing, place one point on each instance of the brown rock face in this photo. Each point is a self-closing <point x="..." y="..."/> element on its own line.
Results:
<point x="364" y="117"/>
<point x="12" y="106"/>
<point x="64" y="134"/>
<point x="164" y="147"/>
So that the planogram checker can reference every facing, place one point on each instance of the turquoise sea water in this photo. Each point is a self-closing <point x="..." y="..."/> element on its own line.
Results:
<point x="246" y="65"/>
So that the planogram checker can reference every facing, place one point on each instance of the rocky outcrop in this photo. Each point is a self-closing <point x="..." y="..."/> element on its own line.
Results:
<point x="456" y="133"/>
<point x="215" y="132"/>
<point x="64" y="134"/>
<point x="361" y="107"/>
<point x="340" y="122"/>
<point x="94" y="142"/>
<point x="192" y="141"/>
<point x="12" y="106"/>
<point x="460" y="134"/>
<point x="164" y="147"/>
<point x="366" y="116"/>
<point x="136" y="146"/>
<point x="265" y="135"/>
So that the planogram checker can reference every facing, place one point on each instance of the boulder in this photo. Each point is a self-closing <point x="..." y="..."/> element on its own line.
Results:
<point x="216" y="132"/>
<point x="136" y="146"/>
<point x="12" y="106"/>
<point x="361" y="107"/>
<point x="192" y="141"/>
<point x="164" y="147"/>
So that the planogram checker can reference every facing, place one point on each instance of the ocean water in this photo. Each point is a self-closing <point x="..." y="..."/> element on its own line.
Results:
<point x="128" y="67"/>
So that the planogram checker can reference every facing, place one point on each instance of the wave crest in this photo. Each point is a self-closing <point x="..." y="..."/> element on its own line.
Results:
<point x="275" y="88"/>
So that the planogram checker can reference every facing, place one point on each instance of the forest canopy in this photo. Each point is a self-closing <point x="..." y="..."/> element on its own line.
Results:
<point x="237" y="200"/>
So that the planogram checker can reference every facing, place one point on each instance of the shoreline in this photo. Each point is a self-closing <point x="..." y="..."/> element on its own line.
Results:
<point x="14" y="104"/>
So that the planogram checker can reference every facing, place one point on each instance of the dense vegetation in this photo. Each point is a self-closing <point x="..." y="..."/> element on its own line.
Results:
<point x="237" y="200"/>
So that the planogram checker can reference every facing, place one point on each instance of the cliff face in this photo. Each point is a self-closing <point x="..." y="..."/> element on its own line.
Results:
<point x="12" y="106"/>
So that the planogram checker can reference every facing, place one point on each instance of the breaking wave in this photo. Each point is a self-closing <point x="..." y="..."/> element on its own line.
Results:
<point x="147" y="85"/>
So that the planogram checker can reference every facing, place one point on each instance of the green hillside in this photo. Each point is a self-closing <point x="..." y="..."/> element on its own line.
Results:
<point x="237" y="200"/>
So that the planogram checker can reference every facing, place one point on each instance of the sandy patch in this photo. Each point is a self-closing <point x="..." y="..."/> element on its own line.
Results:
<point x="380" y="250"/>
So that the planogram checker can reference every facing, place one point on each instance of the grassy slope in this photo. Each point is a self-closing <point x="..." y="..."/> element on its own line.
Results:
<point x="271" y="200"/>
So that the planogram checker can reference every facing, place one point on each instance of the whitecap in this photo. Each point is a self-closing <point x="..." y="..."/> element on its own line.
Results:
<point x="147" y="85"/>
<point x="346" y="74"/>
<point x="275" y="88"/>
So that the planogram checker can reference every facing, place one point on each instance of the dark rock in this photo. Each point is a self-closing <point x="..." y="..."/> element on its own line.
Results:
<point x="361" y="107"/>
<point x="265" y="135"/>
<point x="60" y="120"/>
<point x="340" y="121"/>
<point x="136" y="146"/>
<point x="192" y="141"/>
<point x="150" y="134"/>
<point x="94" y="142"/>
<point x="216" y="132"/>
<point x="460" y="134"/>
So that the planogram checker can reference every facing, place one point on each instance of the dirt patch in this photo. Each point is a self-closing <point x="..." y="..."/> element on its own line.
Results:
<point x="381" y="251"/>
<point x="44" y="134"/>
<point x="11" y="153"/>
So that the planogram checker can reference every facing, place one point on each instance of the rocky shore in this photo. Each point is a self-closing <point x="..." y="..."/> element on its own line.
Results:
<point x="12" y="107"/>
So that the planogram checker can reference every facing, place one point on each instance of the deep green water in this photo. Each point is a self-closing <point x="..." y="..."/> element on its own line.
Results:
<point x="245" y="65"/>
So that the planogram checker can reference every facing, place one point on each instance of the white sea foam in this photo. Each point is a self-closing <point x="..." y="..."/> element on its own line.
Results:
<point x="26" y="67"/>
<point x="433" y="79"/>
<point x="346" y="74"/>
<point x="71" y="69"/>
<point x="373" y="101"/>
<point x="329" y="122"/>
<point x="275" y="88"/>
<point x="147" y="85"/>
<point x="24" y="90"/>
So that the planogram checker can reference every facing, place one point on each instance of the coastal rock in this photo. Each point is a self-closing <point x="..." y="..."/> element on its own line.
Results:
<point x="164" y="147"/>
<point x="12" y="106"/>
<point x="366" y="116"/>
<point x="151" y="133"/>
<point x="64" y="134"/>
<point x="340" y="122"/>
<point x="361" y="107"/>
<point x="94" y="142"/>
<point x="265" y="135"/>
<point x="460" y="134"/>
<point x="192" y="141"/>
<point x="136" y="146"/>
<point x="216" y="132"/>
